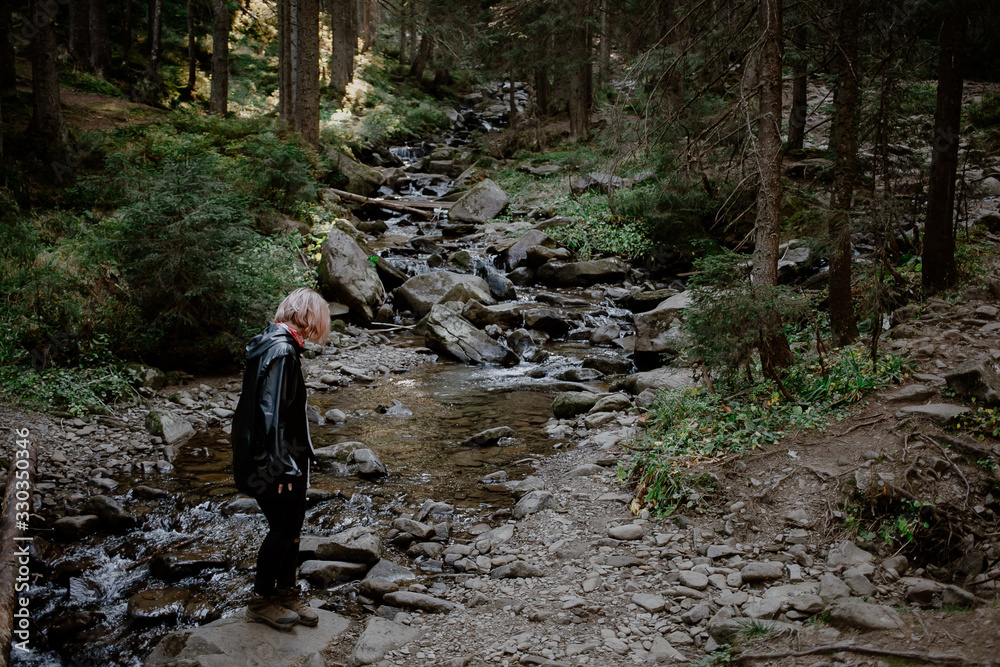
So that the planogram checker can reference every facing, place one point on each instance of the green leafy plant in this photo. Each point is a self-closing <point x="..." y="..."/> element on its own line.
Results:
<point x="987" y="112"/>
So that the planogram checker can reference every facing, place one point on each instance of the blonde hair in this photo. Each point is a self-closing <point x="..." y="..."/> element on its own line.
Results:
<point x="307" y="311"/>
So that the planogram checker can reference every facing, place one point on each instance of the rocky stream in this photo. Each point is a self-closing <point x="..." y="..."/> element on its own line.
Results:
<point x="465" y="507"/>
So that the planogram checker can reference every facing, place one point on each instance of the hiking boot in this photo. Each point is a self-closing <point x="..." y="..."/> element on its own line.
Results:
<point x="267" y="609"/>
<point x="291" y="599"/>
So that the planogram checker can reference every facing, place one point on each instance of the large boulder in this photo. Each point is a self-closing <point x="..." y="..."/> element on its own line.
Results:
<point x="504" y="315"/>
<point x="518" y="253"/>
<point x="361" y="180"/>
<point x="420" y="293"/>
<point x="977" y="378"/>
<point x="659" y="378"/>
<point x="480" y="204"/>
<point x="173" y="428"/>
<point x="347" y="276"/>
<point x="379" y="637"/>
<point x="448" y="332"/>
<point x="659" y="329"/>
<point x="358" y="544"/>
<point x="582" y="274"/>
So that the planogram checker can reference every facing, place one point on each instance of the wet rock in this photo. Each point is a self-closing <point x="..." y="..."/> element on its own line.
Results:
<point x="236" y="641"/>
<point x="520" y="488"/>
<point x="420" y="531"/>
<point x="335" y="416"/>
<point x="978" y="379"/>
<point x="420" y="293"/>
<point x="501" y="287"/>
<point x="347" y="276"/>
<point x="608" y="365"/>
<point x="612" y="403"/>
<point x="77" y="527"/>
<point x="533" y="502"/>
<point x="853" y="613"/>
<point x="629" y="531"/>
<point x="379" y="637"/>
<point x="449" y="333"/>
<point x="522" y="276"/>
<point x="942" y="413"/>
<point x="760" y="572"/>
<point x="110" y="512"/>
<point x="605" y="334"/>
<point x="571" y="404"/>
<point x="158" y="603"/>
<point x="361" y="179"/>
<point x="574" y="374"/>
<point x="324" y="573"/>
<point x="368" y="463"/>
<point x="659" y="329"/>
<point x="391" y="572"/>
<point x="148" y="492"/>
<point x="921" y="592"/>
<point x="358" y="544"/>
<point x="173" y="428"/>
<point x="506" y="315"/>
<point x="173" y="565"/>
<point x="464" y="293"/>
<point x="483" y="202"/>
<point x="582" y="274"/>
<point x="518" y="253"/>
<point x="517" y="570"/>
<point x="490" y="437"/>
<point x="547" y="321"/>
<point x="427" y="603"/>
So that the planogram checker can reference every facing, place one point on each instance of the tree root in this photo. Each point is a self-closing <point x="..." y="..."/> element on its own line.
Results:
<point x="936" y="659"/>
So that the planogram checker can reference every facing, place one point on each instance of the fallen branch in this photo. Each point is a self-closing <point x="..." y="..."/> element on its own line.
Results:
<point x="861" y="425"/>
<point x="392" y="206"/>
<point x="968" y="488"/>
<point x="937" y="659"/>
<point x="170" y="547"/>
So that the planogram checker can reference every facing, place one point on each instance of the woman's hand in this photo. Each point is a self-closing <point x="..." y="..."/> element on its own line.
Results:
<point x="281" y="485"/>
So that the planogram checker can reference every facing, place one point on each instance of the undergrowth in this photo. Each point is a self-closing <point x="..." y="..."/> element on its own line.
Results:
<point x="685" y="427"/>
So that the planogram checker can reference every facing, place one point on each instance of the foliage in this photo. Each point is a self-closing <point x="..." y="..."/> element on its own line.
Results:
<point x="981" y="422"/>
<point x="76" y="390"/>
<point x="987" y="112"/>
<point x="686" y="426"/>
<point x="728" y="317"/>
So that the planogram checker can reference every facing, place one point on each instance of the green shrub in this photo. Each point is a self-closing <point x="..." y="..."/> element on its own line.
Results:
<point x="987" y="112"/>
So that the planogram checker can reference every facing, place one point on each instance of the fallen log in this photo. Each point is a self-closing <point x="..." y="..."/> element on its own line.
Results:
<point x="14" y="561"/>
<point x="936" y="659"/>
<point x="391" y="205"/>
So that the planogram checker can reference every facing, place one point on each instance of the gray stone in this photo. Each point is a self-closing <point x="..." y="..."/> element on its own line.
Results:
<point x="662" y="651"/>
<point x="420" y="293"/>
<point x="173" y="565"/>
<point x="658" y="330"/>
<point x="629" y="531"/>
<point x="573" y="403"/>
<point x="361" y="179"/>
<point x="584" y="470"/>
<point x="853" y="613"/>
<point x="941" y="413"/>
<point x="483" y="202"/>
<point x="428" y="603"/>
<point x="659" y="378"/>
<point x="582" y="274"/>
<point x="978" y="378"/>
<point x="358" y="544"/>
<point x="368" y="463"/>
<point x="347" y="276"/>
<point x="110" y="512"/>
<point x="808" y="604"/>
<point x="173" y="428"/>
<point x="612" y="403"/>
<point x="518" y="569"/>
<point x="921" y="592"/>
<point x="378" y="638"/>
<point x="489" y="437"/>
<point x="158" y="603"/>
<point x="324" y="573"/>
<point x="859" y="584"/>
<point x="832" y="588"/>
<point x="848" y="554"/>
<point x="898" y="564"/>
<point x="236" y="641"/>
<point x="449" y="333"/>
<point x="651" y="603"/>
<point x="518" y="253"/>
<point x="912" y="393"/>
<point x="753" y="573"/>
<point x="533" y="502"/>
<point x="417" y="529"/>
<point x="695" y="580"/>
<point x="392" y="572"/>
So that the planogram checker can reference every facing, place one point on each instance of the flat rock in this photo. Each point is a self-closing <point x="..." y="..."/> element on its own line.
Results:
<point x="428" y="603"/>
<point x="941" y="413"/>
<point x="173" y="428"/>
<point x="324" y="573"/>
<point x="695" y="580"/>
<point x="832" y="588"/>
<point x="533" y="502"/>
<point x="236" y="641"/>
<point x="753" y="573"/>
<point x="483" y="202"/>
<point x="912" y="393"/>
<point x="651" y="603"/>
<point x="519" y="569"/>
<point x="629" y="531"/>
<point x="977" y="378"/>
<point x="490" y="437"/>
<point x="392" y="572"/>
<point x="76" y="527"/>
<point x="358" y="544"/>
<point x="573" y="403"/>
<point x="585" y="470"/>
<point x="180" y="564"/>
<point x="854" y="613"/>
<point x="379" y="637"/>
<point x="848" y="554"/>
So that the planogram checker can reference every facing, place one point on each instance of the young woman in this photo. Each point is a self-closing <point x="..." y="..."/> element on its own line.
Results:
<point x="272" y="451"/>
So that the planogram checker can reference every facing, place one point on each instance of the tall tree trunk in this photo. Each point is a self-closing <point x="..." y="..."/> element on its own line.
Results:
<point x="8" y="73"/>
<point x="371" y="24"/>
<point x="46" y="115"/>
<point x="221" y="23"/>
<point x="192" y="53"/>
<point x="578" y="50"/>
<point x="100" y="41"/>
<point x="403" y="14"/>
<point x="344" y="31"/>
<point x="423" y="56"/>
<point x="542" y="90"/>
<point x="511" y="99"/>
<point x="844" y="140"/>
<point x="127" y="33"/>
<point x="284" y="60"/>
<point x="307" y="86"/>
<point x="939" y="234"/>
<point x="155" y="38"/>
<point x="79" y="31"/>
<point x="604" y="52"/>
<point x="800" y="109"/>
<point x="774" y="351"/>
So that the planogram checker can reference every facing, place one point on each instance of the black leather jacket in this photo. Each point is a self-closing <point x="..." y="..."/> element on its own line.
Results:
<point x="270" y="436"/>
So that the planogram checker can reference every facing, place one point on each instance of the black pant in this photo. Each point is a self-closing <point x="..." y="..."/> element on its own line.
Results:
<point x="278" y="557"/>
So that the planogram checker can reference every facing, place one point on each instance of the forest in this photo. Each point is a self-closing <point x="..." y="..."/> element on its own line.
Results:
<point x="721" y="229"/>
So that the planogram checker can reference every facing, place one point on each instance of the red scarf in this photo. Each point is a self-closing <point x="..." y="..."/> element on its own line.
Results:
<point x="295" y="334"/>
